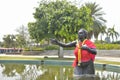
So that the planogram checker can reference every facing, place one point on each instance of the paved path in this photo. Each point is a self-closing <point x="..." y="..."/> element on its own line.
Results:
<point x="116" y="59"/>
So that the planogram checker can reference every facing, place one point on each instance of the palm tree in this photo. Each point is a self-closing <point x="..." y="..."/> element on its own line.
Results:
<point x="98" y="20"/>
<point x="112" y="33"/>
<point x="103" y="31"/>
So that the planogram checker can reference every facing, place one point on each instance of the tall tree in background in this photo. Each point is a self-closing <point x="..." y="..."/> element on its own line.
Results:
<point x="22" y="36"/>
<point x="18" y="40"/>
<point x="102" y="32"/>
<point x="59" y="19"/>
<point x="98" y="20"/>
<point x="112" y="33"/>
<point x="9" y="41"/>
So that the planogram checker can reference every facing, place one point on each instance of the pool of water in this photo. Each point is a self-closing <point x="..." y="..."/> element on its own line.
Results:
<point x="18" y="71"/>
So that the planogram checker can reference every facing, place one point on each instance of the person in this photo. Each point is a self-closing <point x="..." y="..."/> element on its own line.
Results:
<point x="85" y="51"/>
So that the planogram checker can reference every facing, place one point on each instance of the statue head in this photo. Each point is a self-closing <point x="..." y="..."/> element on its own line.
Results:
<point x="82" y="34"/>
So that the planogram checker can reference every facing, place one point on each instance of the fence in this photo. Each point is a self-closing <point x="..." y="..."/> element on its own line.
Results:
<point x="10" y="50"/>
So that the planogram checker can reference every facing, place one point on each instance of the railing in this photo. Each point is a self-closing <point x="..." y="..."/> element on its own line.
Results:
<point x="10" y="50"/>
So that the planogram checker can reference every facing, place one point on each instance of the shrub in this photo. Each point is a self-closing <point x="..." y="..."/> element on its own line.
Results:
<point x="56" y="47"/>
<point x="108" y="46"/>
<point x="33" y="49"/>
<point x="51" y="47"/>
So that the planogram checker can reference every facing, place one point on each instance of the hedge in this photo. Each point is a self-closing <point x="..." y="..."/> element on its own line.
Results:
<point x="56" y="47"/>
<point x="108" y="46"/>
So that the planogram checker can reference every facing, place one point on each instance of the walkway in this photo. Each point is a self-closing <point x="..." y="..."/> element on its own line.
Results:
<point x="114" y="59"/>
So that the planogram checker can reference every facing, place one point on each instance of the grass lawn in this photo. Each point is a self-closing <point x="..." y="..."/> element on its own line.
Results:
<point x="51" y="58"/>
<point x="18" y="58"/>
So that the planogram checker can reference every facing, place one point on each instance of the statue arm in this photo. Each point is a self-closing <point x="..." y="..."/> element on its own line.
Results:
<point x="91" y="50"/>
<point x="70" y="44"/>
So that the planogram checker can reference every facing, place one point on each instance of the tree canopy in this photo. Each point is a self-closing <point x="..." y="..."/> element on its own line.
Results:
<point x="59" y="19"/>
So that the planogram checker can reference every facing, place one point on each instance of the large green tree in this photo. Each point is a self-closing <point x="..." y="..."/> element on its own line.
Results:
<point x="59" y="19"/>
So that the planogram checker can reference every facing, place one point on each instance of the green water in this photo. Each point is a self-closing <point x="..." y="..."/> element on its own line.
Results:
<point x="48" y="72"/>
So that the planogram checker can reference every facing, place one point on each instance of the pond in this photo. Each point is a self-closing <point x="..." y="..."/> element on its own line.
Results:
<point x="19" y="71"/>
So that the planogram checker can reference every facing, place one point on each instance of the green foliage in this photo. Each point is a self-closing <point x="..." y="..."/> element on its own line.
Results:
<point x="21" y="40"/>
<point x="59" y="19"/>
<point x="33" y="49"/>
<point x="51" y="47"/>
<point x="99" y="47"/>
<point x="48" y="47"/>
<point x="98" y="20"/>
<point x="108" y="46"/>
<point x="112" y="33"/>
<point x="9" y="41"/>
<point x="18" y="41"/>
<point x="56" y="47"/>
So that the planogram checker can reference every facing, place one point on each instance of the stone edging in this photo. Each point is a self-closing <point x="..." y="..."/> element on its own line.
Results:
<point x="111" y="53"/>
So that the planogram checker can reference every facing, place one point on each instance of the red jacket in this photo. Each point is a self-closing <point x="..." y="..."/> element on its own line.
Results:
<point x="85" y="55"/>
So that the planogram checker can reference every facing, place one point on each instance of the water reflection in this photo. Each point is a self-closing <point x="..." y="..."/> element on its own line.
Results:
<point x="45" y="72"/>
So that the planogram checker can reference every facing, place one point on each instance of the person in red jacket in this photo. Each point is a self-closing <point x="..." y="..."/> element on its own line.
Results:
<point x="85" y="51"/>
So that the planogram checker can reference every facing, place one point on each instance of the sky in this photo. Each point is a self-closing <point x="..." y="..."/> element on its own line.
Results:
<point x="15" y="13"/>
